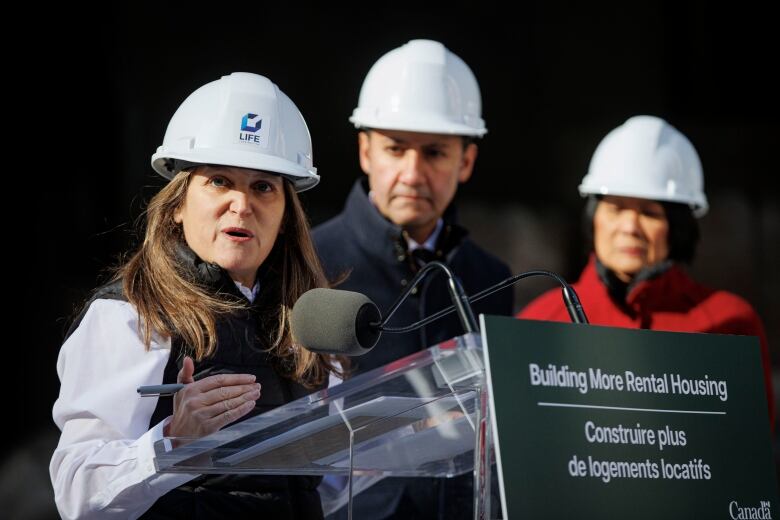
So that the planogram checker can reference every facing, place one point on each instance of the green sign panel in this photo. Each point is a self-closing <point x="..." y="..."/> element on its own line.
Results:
<point x="599" y="422"/>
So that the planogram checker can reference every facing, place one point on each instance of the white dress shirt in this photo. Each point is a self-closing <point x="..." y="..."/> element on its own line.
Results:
<point x="430" y="242"/>
<point x="103" y="466"/>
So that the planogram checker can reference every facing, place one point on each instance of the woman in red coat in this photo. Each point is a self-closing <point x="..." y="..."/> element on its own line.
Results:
<point x="645" y="191"/>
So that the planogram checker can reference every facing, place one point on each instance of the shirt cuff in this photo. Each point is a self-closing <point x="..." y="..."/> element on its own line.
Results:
<point x="147" y="455"/>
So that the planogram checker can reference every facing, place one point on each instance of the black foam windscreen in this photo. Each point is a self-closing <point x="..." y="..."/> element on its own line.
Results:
<point x="330" y="321"/>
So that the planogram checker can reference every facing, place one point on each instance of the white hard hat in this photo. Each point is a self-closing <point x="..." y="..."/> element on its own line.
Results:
<point x="240" y="120"/>
<point x="648" y="158"/>
<point x="421" y="87"/>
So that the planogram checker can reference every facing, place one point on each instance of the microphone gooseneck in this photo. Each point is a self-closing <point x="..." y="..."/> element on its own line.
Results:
<point x="573" y="305"/>
<point x="570" y="299"/>
<point x="332" y="321"/>
<point x="459" y="299"/>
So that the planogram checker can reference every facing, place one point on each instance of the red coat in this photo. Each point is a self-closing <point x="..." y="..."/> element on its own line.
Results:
<point x="671" y="302"/>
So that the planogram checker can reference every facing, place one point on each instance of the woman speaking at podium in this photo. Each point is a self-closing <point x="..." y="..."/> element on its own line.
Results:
<point x="204" y="301"/>
<point x="645" y="190"/>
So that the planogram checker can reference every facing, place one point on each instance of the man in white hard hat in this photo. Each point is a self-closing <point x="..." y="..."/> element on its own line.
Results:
<point x="418" y="117"/>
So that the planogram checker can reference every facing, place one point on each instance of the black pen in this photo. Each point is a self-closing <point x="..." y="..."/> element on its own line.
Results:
<point x="159" y="390"/>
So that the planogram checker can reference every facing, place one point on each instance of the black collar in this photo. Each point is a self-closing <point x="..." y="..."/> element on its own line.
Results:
<point x="215" y="277"/>
<point x="380" y="237"/>
<point x="620" y="290"/>
<point x="204" y="272"/>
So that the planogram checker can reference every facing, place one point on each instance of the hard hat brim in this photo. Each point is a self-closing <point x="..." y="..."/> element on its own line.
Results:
<point x="420" y="123"/>
<point x="302" y="178"/>
<point x="698" y="208"/>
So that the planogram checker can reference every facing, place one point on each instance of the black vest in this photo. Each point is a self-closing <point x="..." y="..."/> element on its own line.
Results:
<point x="241" y="348"/>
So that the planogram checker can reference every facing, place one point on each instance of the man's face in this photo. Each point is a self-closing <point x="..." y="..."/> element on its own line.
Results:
<point x="414" y="176"/>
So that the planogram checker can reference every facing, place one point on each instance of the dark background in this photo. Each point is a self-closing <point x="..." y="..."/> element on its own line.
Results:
<point x="90" y="93"/>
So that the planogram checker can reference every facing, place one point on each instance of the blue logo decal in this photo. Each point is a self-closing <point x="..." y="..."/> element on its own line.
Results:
<point x="251" y="123"/>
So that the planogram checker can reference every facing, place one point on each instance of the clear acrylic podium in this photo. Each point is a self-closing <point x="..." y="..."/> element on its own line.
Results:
<point x="424" y="415"/>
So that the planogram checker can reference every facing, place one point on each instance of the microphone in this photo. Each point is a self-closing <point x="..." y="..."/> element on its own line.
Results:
<point x="460" y="302"/>
<point x="331" y="321"/>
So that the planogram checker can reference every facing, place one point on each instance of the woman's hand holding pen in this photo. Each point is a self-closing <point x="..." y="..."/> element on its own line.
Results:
<point x="205" y="406"/>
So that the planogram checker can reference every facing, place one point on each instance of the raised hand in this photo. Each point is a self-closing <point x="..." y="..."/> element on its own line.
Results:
<point x="205" y="406"/>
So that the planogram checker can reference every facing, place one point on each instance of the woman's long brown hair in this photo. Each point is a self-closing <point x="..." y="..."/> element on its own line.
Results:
<point x="171" y="302"/>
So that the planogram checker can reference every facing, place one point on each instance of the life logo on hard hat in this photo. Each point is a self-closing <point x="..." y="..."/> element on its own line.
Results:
<point x="240" y="120"/>
<point x="251" y="123"/>
<point x="254" y="130"/>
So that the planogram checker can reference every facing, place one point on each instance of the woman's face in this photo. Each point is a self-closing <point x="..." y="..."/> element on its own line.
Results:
<point x="630" y="234"/>
<point x="231" y="217"/>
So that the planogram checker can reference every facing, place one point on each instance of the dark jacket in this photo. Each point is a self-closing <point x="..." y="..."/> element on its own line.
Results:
<point x="372" y="253"/>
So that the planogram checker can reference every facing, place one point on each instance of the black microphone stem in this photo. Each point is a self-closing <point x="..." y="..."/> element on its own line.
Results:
<point x="461" y="302"/>
<point x="572" y="302"/>
<point x="459" y="299"/>
<point x="573" y="305"/>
